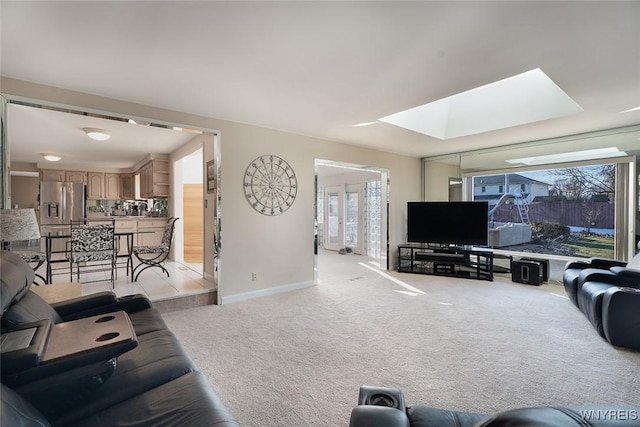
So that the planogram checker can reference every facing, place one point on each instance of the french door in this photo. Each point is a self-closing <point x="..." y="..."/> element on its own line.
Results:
<point x="343" y="218"/>
<point x="334" y="215"/>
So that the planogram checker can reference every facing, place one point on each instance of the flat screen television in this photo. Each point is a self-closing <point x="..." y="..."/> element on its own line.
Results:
<point x="448" y="223"/>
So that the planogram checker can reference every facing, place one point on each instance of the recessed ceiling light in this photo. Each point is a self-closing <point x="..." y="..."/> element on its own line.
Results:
<point x="598" y="153"/>
<point x="525" y="98"/>
<point x="97" y="134"/>
<point x="51" y="157"/>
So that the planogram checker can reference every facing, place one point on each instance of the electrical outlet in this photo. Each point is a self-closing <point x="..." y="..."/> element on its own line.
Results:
<point x="254" y="277"/>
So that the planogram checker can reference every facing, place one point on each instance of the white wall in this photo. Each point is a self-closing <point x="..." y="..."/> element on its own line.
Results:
<point x="278" y="249"/>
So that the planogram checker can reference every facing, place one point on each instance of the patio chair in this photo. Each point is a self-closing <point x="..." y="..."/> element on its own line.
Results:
<point x="93" y="247"/>
<point x="155" y="255"/>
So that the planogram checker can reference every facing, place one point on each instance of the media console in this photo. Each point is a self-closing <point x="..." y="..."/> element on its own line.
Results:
<point x="473" y="263"/>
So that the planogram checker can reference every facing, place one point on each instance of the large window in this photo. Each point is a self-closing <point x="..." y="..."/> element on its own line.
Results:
<point x="566" y="211"/>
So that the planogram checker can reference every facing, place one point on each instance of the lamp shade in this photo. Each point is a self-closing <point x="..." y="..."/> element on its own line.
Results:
<point x="18" y="224"/>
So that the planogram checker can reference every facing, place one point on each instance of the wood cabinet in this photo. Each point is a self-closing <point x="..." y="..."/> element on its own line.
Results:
<point x="74" y="176"/>
<point x="154" y="179"/>
<point x="52" y="175"/>
<point x="95" y="185"/>
<point x="153" y="231"/>
<point x="125" y="225"/>
<point x="126" y="186"/>
<point x="111" y="186"/>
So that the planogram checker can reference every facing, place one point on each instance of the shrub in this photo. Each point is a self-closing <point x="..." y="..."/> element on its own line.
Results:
<point x="547" y="230"/>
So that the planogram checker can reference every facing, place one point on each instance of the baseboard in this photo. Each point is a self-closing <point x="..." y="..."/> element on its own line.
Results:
<point x="264" y="292"/>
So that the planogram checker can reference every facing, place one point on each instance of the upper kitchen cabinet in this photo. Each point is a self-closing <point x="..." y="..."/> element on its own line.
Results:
<point x="112" y="186"/>
<point x="95" y="185"/>
<point x="52" y="175"/>
<point x="126" y="186"/>
<point x="154" y="179"/>
<point x="74" y="176"/>
<point x="63" y="176"/>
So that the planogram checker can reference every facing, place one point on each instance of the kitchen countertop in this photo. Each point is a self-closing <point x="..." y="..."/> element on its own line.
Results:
<point x="126" y="217"/>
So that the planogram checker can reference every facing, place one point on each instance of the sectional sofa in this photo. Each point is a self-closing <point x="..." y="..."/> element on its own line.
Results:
<point x="137" y="374"/>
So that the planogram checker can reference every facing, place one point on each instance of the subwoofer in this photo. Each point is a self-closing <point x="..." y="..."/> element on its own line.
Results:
<point x="527" y="271"/>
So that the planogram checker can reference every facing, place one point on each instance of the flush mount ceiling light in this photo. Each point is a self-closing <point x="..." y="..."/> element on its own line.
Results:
<point x="51" y="157"/>
<point x="525" y="98"/>
<point x="97" y="134"/>
<point x="598" y="153"/>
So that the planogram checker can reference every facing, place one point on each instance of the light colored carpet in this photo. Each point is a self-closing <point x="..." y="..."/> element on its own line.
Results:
<point x="298" y="359"/>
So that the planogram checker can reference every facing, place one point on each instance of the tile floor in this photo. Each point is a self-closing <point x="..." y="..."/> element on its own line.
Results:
<point x="184" y="280"/>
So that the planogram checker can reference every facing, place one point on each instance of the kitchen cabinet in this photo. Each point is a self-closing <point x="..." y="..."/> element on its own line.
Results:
<point x="125" y="225"/>
<point x="95" y="185"/>
<point x="153" y="231"/>
<point x="52" y="175"/>
<point x="111" y="186"/>
<point x="126" y="186"/>
<point x="154" y="179"/>
<point x="75" y="176"/>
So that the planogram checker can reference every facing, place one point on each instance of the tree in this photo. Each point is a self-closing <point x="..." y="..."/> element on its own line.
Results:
<point x="583" y="182"/>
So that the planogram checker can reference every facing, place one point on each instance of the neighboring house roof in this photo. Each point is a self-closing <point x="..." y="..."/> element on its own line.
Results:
<point x="514" y="178"/>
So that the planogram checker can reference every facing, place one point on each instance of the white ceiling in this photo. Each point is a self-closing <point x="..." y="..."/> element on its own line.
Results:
<point x="33" y="131"/>
<point x="319" y="68"/>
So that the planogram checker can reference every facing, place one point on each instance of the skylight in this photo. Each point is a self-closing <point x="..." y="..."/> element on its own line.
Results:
<point x="598" y="153"/>
<point x="525" y="98"/>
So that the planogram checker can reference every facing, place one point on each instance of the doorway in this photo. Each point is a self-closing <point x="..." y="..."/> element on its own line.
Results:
<point x="189" y="207"/>
<point x="351" y="211"/>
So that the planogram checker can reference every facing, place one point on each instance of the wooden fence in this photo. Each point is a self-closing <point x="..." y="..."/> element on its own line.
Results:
<point x="571" y="213"/>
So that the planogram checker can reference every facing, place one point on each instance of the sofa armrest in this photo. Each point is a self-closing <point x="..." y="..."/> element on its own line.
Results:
<point x="627" y="273"/>
<point x="606" y="263"/>
<point x="597" y="275"/>
<point x="100" y="303"/>
<point x="621" y="317"/>
<point x="378" y="416"/>
<point x="83" y="303"/>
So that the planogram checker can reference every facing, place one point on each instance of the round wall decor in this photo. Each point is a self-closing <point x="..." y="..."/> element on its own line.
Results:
<point x="270" y="185"/>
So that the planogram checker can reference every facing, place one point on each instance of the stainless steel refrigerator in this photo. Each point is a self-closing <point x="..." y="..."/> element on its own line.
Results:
<point x="62" y="202"/>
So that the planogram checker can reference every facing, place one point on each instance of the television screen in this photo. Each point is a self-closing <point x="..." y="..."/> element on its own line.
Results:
<point x="448" y="223"/>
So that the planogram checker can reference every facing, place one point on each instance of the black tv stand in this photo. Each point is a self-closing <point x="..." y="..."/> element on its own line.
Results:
<point x="470" y="263"/>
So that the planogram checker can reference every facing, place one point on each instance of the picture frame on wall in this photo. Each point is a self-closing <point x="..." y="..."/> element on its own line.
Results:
<point x="211" y="176"/>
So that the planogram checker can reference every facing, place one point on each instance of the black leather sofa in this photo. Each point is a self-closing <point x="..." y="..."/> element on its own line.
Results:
<point x="150" y="382"/>
<point x="385" y="407"/>
<point x="607" y="292"/>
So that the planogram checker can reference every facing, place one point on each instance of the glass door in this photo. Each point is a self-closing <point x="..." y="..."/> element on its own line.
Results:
<point x="334" y="231"/>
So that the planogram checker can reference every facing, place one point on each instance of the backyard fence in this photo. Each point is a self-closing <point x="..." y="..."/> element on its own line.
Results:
<point x="587" y="214"/>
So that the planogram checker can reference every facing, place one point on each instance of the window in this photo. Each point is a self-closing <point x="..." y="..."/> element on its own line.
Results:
<point x="567" y="211"/>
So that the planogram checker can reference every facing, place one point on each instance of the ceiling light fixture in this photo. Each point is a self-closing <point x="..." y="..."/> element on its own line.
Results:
<point x="598" y="153"/>
<point x="51" y="157"/>
<point x="97" y="134"/>
<point x="359" y="125"/>
<point x="631" y="110"/>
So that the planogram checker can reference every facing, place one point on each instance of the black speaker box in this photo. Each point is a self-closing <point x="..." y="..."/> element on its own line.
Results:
<point x="528" y="272"/>
<point x="545" y="266"/>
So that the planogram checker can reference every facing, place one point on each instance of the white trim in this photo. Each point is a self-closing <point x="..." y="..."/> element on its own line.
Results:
<point x="264" y="292"/>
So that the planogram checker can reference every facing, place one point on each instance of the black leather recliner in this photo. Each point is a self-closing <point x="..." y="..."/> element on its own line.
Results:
<point x="384" y="407"/>
<point x="155" y="383"/>
<point x="607" y="292"/>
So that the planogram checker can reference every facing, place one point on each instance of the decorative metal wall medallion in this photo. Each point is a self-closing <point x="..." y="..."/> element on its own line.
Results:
<point x="270" y="185"/>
